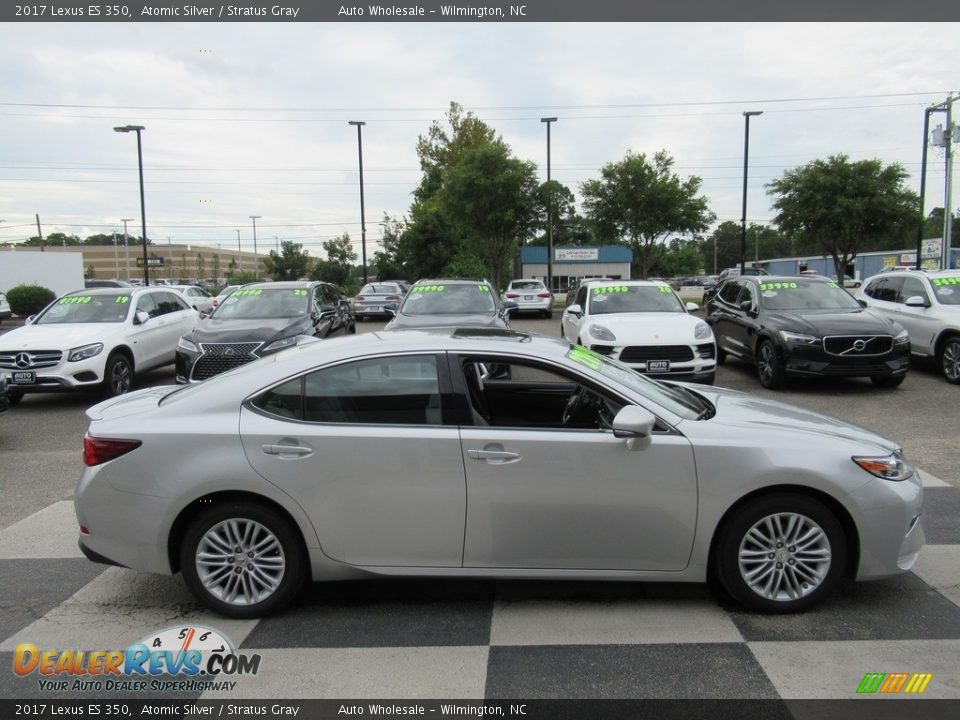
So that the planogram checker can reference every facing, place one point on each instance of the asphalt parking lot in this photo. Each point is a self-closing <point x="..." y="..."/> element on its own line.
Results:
<point x="503" y="639"/>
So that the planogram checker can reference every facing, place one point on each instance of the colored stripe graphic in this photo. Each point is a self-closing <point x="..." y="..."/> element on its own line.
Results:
<point x="871" y="683"/>
<point x="918" y="683"/>
<point x="893" y="683"/>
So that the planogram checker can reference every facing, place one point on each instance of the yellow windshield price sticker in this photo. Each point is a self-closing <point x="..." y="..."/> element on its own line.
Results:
<point x="780" y="286"/>
<point x="609" y="289"/>
<point x="76" y="300"/>
<point x="582" y="355"/>
<point x="251" y="292"/>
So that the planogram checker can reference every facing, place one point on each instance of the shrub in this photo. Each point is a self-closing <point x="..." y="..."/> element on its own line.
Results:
<point x="26" y="300"/>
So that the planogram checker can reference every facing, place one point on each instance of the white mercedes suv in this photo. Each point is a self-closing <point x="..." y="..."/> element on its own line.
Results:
<point x="97" y="337"/>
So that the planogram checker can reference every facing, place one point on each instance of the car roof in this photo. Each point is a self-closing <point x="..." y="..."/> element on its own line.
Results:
<point x="133" y="290"/>
<point x="637" y="283"/>
<point x="285" y="284"/>
<point x="783" y="278"/>
<point x="450" y="281"/>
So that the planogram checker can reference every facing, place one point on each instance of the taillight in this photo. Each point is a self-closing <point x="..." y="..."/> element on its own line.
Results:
<point x="543" y="294"/>
<point x="510" y="296"/>
<point x="359" y="297"/>
<point x="392" y="297"/>
<point x="97" y="451"/>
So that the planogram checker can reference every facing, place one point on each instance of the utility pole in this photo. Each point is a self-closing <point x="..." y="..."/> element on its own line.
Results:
<point x="743" y="219"/>
<point x="239" y="255"/>
<point x="39" y="232"/>
<point x="549" y="121"/>
<point x="256" y="257"/>
<point x="116" y="261"/>
<point x="363" y="218"/>
<point x="126" y="244"/>
<point x="948" y="139"/>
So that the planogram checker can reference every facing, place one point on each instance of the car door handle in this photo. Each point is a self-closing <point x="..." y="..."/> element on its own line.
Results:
<point x="286" y="450"/>
<point x="495" y="457"/>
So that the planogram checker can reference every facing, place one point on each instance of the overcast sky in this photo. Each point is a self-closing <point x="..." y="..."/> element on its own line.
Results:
<point x="252" y="118"/>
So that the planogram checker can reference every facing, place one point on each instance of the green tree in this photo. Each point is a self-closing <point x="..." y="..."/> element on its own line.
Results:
<point x="464" y="265"/>
<point x="839" y="208"/>
<point x="492" y="194"/>
<point x="201" y="267"/>
<point x="54" y="238"/>
<point x="215" y="267"/>
<point x="933" y="228"/>
<point x="100" y="239"/>
<point x="643" y="202"/>
<point x="291" y="263"/>
<point x="678" y="257"/>
<point x="337" y="268"/>
<point x="241" y="277"/>
<point x="386" y="263"/>
<point x="762" y="240"/>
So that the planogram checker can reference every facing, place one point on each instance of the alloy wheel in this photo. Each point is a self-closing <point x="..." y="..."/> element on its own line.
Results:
<point x="240" y="562"/>
<point x="784" y="556"/>
<point x="950" y="361"/>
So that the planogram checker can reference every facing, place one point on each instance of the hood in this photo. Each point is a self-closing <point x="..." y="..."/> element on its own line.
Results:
<point x="752" y="413"/>
<point x="856" y="321"/>
<point x="404" y="322"/>
<point x="212" y="330"/>
<point x="130" y="403"/>
<point x="647" y="328"/>
<point x="59" y="336"/>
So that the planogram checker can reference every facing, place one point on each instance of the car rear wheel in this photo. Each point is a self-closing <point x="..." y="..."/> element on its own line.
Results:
<point x="781" y="553"/>
<point x="887" y="381"/>
<point x="242" y="560"/>
<point x="950" y="360"/>
<point x="769" y="366"/>
<point x="118" y="377"/>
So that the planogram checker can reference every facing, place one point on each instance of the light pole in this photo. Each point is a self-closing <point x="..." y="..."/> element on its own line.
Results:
<point x="116" y="262"/>
<point x="239" y="256"/>
<point x="363" y="219"/>
<point x="169" y="256"/>
<point x="549" y="121"/>
<point x="126" y="245"/>
<point x="743" y="219"/>
<point x="256" y="258"/>
<point x="143" y="212"/>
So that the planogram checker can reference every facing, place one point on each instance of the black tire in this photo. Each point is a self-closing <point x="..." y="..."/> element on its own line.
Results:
<point x="291" y="577"/>
<point x="352" y="329"/>
<point x="732" y="539"/>
<point x="14" y="396"/>
<point x="118" y="375"/>
<point x="948" y="359"/>
<point x="887" y="381"/>
<point x="769" y="366"/>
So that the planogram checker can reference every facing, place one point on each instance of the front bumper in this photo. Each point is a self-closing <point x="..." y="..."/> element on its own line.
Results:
<point x="694" y="363"/>
<point x="891" y="526"/>
<point x="801" y="361"/>
<point x="64" y="376"/>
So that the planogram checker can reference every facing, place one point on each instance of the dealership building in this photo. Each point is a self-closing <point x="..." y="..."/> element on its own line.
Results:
<point x="576" y="263"/>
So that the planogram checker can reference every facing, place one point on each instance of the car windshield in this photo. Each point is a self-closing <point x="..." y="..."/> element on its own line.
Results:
<point x="801" y="294"/>
<point x="111" y="308"/>
<point x="380" y="289"/>
<point x="616" y="298"/>
<point x="251" y="303"/>
<point x="947" y="290"/>
<point x="678" y="400"/>
<point x="449" y="299"/>
<point x="526" y="285"/>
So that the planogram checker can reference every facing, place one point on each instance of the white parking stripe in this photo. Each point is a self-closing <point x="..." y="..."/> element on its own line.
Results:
<point x="49" y="533"/>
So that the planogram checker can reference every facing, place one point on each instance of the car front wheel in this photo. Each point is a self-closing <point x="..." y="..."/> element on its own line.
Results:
<point x="781" y="553"/>
<point x="242" y="560"/>
<point x="118" y="378"/>
<point x="770" y="366"/>
<point x="950" y="360"/>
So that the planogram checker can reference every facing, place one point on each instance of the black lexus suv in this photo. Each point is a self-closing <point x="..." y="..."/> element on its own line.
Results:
<point x="803" y="326"/>
<point x="258" y="319"/>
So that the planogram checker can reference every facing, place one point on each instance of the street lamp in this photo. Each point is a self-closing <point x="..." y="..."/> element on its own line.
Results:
<point x="548" y="121"/>
<point x="239" y="256"/>
<point x="743" y="219"/>
<point x="363" y="219"/>
<point x="256" y="258"/>
<point x="143" y="212"/>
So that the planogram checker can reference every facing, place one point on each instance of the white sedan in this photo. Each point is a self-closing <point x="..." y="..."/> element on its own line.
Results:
<point x="645" y="325"/>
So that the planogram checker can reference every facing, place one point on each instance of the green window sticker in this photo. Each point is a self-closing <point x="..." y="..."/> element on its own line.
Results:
<point x="585" y="356"/>
<point x="76" y="300"/>
<point x="483" y="288"/>
<point x="428" y="288"/>
<point x="764" y="287"/>
<point x="251" y="292"/>
<point x="664" y="289"/>
<point x="300" y="293"/>
<point x="832" y="284"/>
<point x="946" y="281"/>
<point x="609" y="289"/>
<point x="122" y="299"/>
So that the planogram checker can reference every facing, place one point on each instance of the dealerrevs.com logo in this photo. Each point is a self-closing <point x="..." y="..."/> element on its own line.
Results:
<point x="190" y="658"/>
<point x="894" y="683"/>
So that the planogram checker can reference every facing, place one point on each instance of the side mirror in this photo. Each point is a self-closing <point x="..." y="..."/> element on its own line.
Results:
<point x="636" y="425"/>
<point x="575" y="309"/>
<point x="916" y="301"/>
<point x="692" y="307"/>
<point x="510" y="307"/>
<point x="205" y="314"/>
<point x="390" y="308"/>
<point x="141" y="317"/>
<point x="746" y="305"/>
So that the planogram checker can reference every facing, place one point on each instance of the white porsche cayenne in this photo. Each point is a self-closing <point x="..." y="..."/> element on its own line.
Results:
<point x="643" y="324"/>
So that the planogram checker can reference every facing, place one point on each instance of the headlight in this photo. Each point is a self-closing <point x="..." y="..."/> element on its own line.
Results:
<point x="601" y="333"/>
<point x="281" y="343"/>
<point x="902" y="338"/>
<point x="798" y="338"/>
<point x="890" y="467"/>
<point x="84" y="352"/>
<point x="187" y="345"/>
<point x="702" y="331"/>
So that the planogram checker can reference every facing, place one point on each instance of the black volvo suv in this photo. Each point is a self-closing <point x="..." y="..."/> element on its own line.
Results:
<point x="796" y="326"/>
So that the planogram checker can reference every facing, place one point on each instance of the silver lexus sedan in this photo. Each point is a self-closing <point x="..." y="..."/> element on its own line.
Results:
<point x="356" y="457"/>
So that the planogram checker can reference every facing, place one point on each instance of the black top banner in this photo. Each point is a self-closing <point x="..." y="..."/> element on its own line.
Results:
<point x="491" y="11"/>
